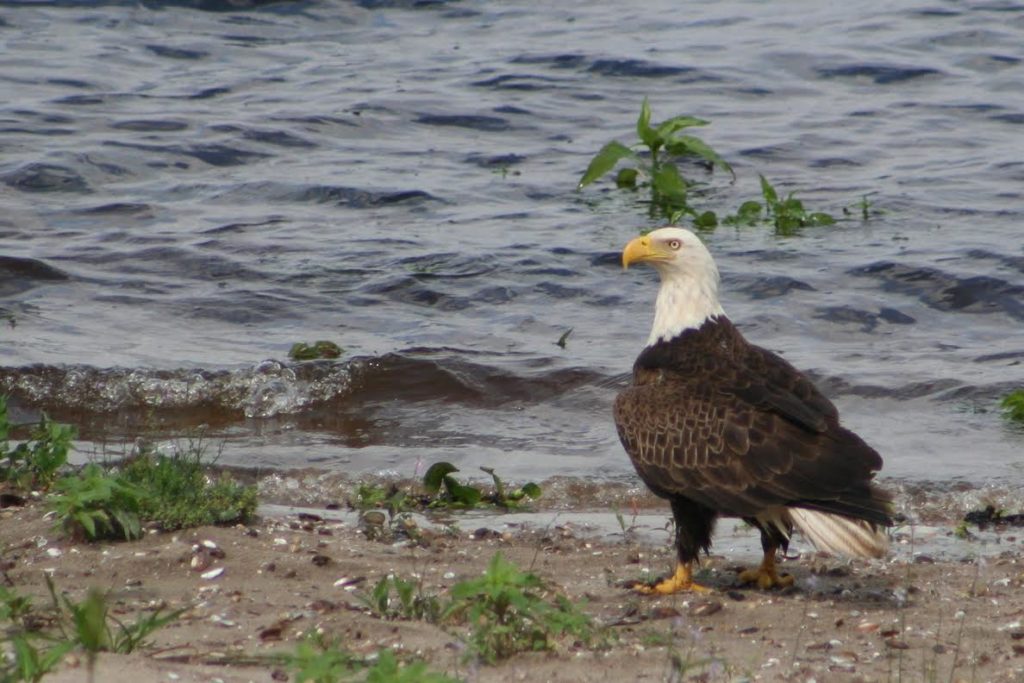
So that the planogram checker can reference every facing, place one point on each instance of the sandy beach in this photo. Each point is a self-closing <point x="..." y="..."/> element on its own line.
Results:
<point x="955" y="615"/>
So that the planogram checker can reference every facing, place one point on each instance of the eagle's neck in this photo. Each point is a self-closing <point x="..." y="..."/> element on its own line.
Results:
<point x="685" y="302"/>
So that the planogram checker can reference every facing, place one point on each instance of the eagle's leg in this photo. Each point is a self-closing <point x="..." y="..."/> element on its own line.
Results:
<point x="766" y="575"/>
<point x="694" y="524"/>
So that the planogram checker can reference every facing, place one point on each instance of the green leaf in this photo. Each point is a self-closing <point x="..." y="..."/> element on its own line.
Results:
<point x="687" y="144"/>
<point x="468" y="496"/>
<point x="750" y="210"/>
<point x="669" y="126"/>
<point x="790" y="205"/>
<point x="706" y="221"/>
<point x="647" y="135"/>
<point x="626" y="178"/>
<point x="532" y="490"/>
<point x="88" y="524"/>
<point x="768" y="192"/>
<point x="564" y="338"/>
<point x="436" y="474"/>
<point x="668" y="182"/>
<point x="604" y="161"/>
<point x="820" y="218"/>
<point x="499" y="486"/>
<point x="90" y="618"/>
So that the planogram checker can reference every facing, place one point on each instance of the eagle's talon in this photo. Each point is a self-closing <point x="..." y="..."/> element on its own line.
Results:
<point x="766" y="578"/>
<point x="681" y="581"/>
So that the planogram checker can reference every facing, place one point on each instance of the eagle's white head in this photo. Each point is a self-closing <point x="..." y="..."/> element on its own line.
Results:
<point x="689" y="280"/>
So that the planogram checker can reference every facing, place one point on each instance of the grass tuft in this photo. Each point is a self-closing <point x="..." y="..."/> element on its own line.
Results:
<point x="166" y="492"/>
<point x="181" y="494"/>
<point x="33" y="464"/>
<point x="509" y="612"/>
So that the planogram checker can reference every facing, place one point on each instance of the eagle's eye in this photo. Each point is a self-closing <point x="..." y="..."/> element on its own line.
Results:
<point x="674" y="245"/>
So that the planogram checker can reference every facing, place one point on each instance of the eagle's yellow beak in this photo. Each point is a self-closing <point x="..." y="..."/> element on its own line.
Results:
<point x="641" y="249"/>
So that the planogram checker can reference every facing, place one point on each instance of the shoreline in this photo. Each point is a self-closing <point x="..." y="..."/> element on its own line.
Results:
<point x="919" y="615"/>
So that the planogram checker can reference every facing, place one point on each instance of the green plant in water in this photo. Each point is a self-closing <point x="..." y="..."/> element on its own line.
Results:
<point x="33" y="464"/>
<point x="454" y="493"/>
<point x="95" y="504"/>
<point x="390" y="497"/>
<point x="663" y="142"/>
<point x="787" y="214"/>
<point x="1013" y="405"/>
<point x="450" y="492"/>
<point x="505" y="498"/>
<point x="315" y="351"/>
<point x="507" y="613"/>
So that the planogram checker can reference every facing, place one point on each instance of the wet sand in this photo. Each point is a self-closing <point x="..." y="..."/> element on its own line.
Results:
<point x="955" y="616"/>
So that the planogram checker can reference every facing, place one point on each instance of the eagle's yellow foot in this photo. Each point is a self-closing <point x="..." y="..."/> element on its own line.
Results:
<point x="679" y="582"/>
<point x="765" y="576"/>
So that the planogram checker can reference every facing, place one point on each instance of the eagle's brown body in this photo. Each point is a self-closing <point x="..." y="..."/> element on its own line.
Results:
<point x="721" y="427"/>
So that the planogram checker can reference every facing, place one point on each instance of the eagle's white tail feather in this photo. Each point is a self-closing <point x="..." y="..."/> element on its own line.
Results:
<point x="840" y="535"/>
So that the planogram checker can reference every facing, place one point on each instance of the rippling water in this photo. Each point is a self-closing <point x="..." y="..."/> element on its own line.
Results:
<point x="191" y="187"/>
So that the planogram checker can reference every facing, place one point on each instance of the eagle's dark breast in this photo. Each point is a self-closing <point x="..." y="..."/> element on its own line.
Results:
<point x="733" y="428"/>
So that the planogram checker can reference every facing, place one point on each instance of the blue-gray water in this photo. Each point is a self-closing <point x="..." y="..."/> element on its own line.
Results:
<point x="190" y="187"/>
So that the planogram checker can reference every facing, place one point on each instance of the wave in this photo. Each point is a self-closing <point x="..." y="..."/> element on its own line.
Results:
<point x="273" y="388"/>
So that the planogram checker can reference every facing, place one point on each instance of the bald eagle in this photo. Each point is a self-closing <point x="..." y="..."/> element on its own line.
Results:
<point x="720" y="427"/>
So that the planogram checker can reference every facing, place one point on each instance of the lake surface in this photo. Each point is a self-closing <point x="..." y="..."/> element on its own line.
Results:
<point x="189" y="188"/>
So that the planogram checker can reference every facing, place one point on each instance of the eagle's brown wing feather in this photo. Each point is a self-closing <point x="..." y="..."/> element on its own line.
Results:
<point x="744" y="431"/>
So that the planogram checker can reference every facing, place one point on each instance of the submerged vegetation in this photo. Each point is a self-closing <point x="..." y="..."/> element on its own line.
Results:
<point x="318" y="350"/>
<point x="1013" y="406"/>
<point x="440" y="489"/>
<point x="653" y="162"/>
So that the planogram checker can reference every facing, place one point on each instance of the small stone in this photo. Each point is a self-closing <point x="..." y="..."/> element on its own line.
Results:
<point x="867" y="627"/>
<point x="272" y="632"/>
<point x="706" y="608"/>
<point x="321" y="560"/>
<point x="895" y="644"/>
<point x="212" y="574"/>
